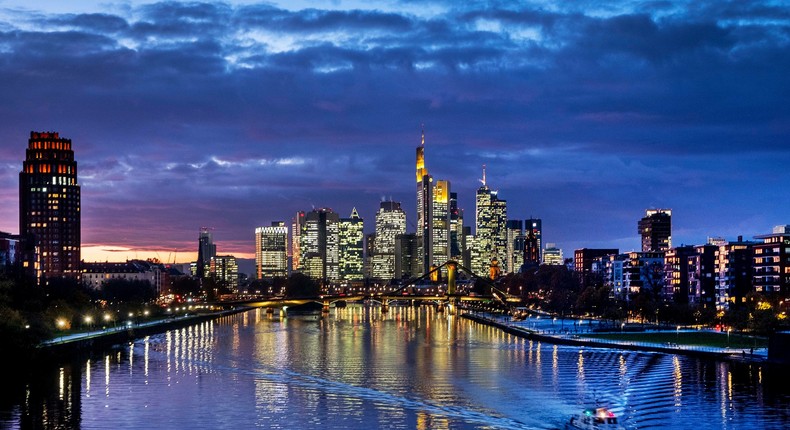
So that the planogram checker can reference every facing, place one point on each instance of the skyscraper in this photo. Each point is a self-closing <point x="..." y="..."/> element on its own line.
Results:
<point x="424" y="208"/>
<point x="656" y="230"/>
<point x="225" y="270"/>
<point x="49" y="207"/>
<point x="457" y="238"/>
<point x="271" y="251"/>
<point x="297" y="230"/>
<point x="351" y="247"/>
<point x="535" y="226"/>
<point x="390" y="222"/>
<point x="515" y="232"/>
<point x="440" y="225"/>
<point x="491" y="233"/>
<point x="320" y="252"/>
<point x="206" y="251"/>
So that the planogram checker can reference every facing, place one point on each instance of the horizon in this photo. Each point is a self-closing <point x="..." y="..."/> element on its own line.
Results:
<point x="232" y="115"/>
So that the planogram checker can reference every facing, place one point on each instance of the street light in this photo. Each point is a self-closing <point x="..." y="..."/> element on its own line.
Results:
<point x="728" y="336"/>
<point x="677" y="335"/>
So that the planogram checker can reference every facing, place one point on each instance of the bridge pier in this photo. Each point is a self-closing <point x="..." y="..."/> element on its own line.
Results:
<point x="282" y="312"/>
<point x="269" y="310"/>
<point x="440" y="307"/>
<point x="325" y="308"/>
<point x="385" y="307"/>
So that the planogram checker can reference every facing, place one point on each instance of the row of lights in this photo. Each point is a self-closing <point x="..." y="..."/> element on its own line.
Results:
<point x="88" y="319"/>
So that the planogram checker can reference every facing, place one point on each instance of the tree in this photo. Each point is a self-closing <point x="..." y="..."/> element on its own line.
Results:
<point x="301" y="286"/>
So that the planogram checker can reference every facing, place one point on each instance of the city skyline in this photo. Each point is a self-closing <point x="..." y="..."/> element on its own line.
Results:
<point x="235" y="115"/>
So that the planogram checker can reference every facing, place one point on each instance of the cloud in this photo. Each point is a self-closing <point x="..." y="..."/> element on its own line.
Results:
<point x="215" y="113"/>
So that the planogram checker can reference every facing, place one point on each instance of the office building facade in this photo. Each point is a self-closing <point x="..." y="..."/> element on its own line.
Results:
<point x="49" y="208"/>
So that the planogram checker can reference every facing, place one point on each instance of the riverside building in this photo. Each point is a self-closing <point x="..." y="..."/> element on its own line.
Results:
<point x="49" y="208"/>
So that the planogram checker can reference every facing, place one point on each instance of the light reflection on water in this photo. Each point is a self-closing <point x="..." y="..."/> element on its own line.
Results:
<point x="409" y="368"/>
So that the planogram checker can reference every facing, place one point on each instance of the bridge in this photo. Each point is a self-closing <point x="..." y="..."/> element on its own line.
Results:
<point x="449" y="298"/>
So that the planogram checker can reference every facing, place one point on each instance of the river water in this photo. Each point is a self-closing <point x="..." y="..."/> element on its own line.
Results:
<point x="358" y="369"/>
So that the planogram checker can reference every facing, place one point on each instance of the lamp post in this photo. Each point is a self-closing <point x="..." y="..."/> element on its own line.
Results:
<point x="677" y="335"/>
<point x="728" y="336"/>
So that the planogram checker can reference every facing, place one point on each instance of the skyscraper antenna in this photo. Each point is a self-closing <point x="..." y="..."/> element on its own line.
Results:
<point x="422" y="138"/>
<point x="484" y="175"/>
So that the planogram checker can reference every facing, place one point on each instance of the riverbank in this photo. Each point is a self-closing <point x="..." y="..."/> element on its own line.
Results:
<point x="577" y="340"/>
<point x="82" y="342"/>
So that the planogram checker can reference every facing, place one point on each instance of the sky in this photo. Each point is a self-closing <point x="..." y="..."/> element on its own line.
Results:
<point x="232" y="115"/>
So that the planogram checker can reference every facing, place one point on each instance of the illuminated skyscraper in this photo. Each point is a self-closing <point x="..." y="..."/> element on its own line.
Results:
<point x="206" y="251"/>
<point x="49" y="207"/>
<point x="271" y="251"/>
<point x="515" y="245"/>
<point x="390" y="222"/>
<point x="440" y="226"/>
<point x="491" y="234"/>
<point x="351" y="247"/>
<point x="656" y="230"/>
<point x="297" y="230"/>
<point x="320" y="251"/>
<point x="424" y="208"/>
<point x="225" y="270"/>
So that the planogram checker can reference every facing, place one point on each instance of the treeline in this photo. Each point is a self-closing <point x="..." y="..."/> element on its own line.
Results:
<point x="559" y="290"/>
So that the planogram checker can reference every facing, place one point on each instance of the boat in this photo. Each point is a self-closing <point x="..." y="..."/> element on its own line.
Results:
<point x="595" y="419"/>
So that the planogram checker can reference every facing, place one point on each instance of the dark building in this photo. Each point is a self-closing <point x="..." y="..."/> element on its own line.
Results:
<point x="49" y="207"/>
<point x="407" y="262"/>
<point x="656" y="230"/>
<point x="734" y="261"/>
<point x="535" y="226"/>
<point x="206" y="251"/>
<point x="583" y="260"/>
<point x="9" y="250"/>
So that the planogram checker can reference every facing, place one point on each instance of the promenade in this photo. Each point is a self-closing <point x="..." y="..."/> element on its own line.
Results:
<point x="126" y="332"/>
<point x="572" y="331"/>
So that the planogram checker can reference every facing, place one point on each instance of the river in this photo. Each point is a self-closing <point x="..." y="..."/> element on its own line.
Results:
<point x="359" y="369"/>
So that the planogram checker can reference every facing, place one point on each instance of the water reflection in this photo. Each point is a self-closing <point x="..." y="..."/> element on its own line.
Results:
<point x="359" y="368"/>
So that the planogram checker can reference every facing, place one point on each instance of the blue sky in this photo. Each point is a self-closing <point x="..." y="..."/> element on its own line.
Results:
<point x="232" y="115"/>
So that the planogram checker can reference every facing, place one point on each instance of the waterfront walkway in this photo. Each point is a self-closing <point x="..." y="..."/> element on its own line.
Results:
<point x="134" y="330"/>
<point x="573" y="331"/>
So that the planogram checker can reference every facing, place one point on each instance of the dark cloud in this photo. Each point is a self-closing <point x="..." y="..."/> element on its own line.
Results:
<point x="205" y="113"/>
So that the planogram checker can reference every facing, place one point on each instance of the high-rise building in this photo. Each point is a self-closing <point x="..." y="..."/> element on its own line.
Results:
<point x="206" y="251"/>
<point x="225" y="271"/>
<point x="297" y="230"/>
<point x="515" y="230"/>
<point x="320" y="251"/>
<point x="772" y="262"/>
<point x="457" y="238"/>
<point x="390" y="222"/>
<point x="440" y="226"/>
<point x="491" y="233"/>
<point x="351" y="245"/>
<point x="271" y="251"/>
<point x="535" y="226"/>
<point x="424" y="208"/>
<point x="656" y="230"/>
<point x="407" y="263"/>
<point x="49" y="207"/>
